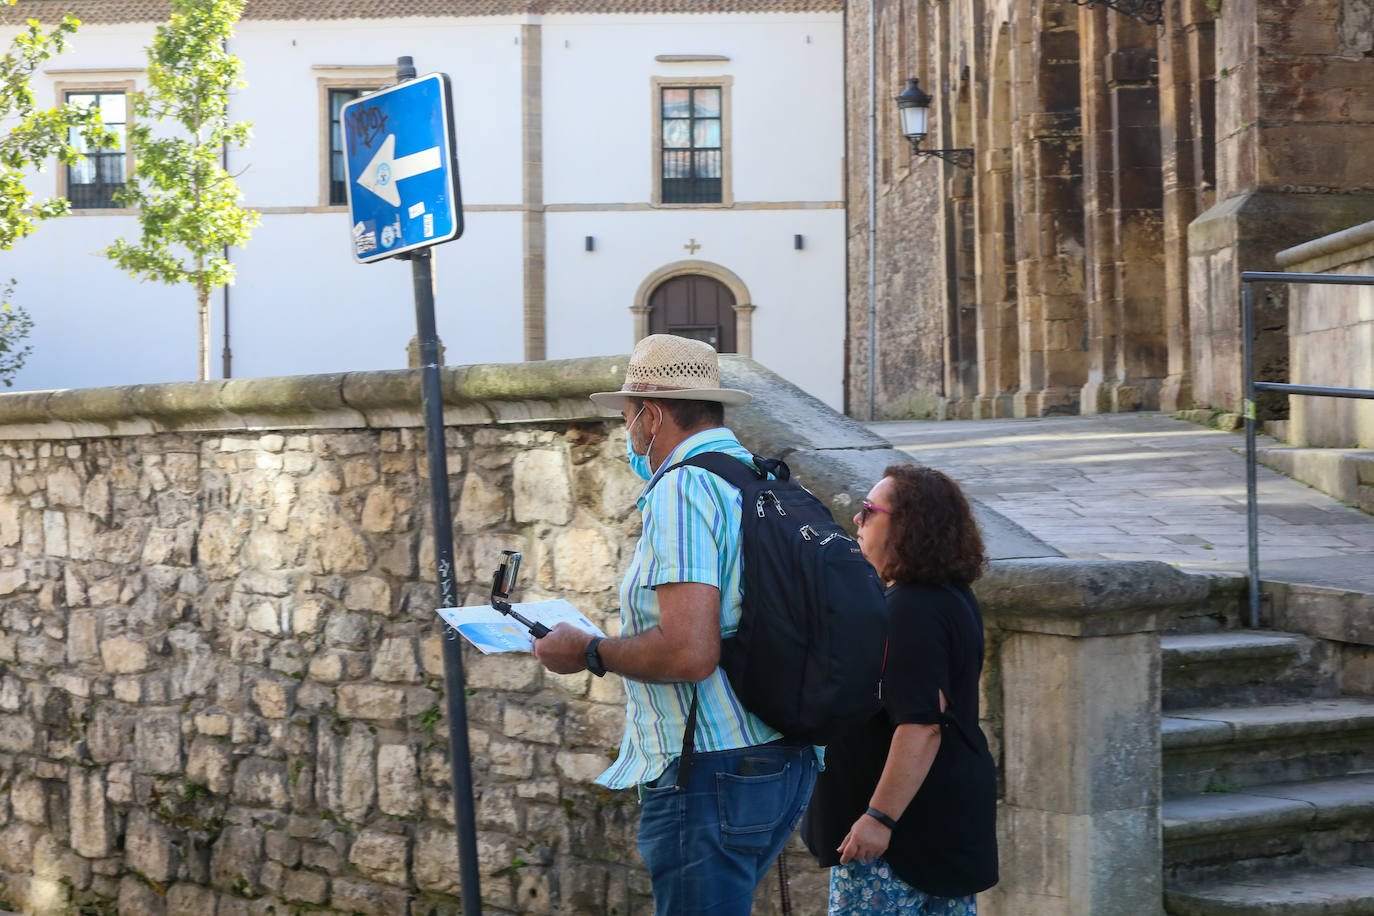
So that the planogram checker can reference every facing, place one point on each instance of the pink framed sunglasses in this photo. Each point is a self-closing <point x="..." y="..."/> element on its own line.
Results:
<point x="868" y="510"/>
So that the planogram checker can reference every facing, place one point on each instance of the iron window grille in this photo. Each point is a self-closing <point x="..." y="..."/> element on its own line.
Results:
<point x="338" y="180"/>
<point x="692" y="151"/>
<point x="92" y="182"/>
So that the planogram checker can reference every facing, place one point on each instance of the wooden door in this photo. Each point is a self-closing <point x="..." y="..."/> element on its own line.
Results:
<point x="694" y="306"/>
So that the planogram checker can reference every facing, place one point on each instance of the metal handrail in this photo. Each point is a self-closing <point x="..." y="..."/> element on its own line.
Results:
<point x="1247" y="300"/>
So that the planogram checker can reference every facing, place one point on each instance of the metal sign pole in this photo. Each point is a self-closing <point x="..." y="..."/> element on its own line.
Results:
<point x="455" y="695"/>
<point x="1247" y="308"/>
<point x="436" y="453"/>
<point x="401" y="154"/>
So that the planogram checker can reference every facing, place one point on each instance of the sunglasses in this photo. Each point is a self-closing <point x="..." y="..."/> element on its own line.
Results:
<point x="868" y="510"/>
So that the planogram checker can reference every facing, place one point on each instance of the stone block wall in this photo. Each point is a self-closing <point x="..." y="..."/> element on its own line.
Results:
<point x="222" y="674"/>
<point x="1331" y="340"/>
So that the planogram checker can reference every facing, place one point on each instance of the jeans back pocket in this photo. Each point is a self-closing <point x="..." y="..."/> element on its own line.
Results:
<point x="752" y="807"/>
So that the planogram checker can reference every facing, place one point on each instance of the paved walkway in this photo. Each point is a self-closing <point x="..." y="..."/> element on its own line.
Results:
<point x="1144" y="486"/>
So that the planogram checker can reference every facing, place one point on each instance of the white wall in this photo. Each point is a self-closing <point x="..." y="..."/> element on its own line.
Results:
<point x="787" y="102"/>
<point x="797" y="331"/>
<point x="282" y="61"/>
<point x="302" y="305"/>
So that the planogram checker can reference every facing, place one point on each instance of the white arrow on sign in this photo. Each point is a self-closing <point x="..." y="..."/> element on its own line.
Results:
<point x="385" y="170"/>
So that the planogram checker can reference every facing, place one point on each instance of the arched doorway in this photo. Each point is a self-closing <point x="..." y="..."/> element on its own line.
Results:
<point x="695" y="306"/>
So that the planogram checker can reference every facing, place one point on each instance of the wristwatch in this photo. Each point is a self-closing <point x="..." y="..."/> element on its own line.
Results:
<point x="594" y="663"/>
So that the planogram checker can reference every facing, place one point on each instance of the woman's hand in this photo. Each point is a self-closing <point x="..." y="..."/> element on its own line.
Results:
<point x="866" y="839"/>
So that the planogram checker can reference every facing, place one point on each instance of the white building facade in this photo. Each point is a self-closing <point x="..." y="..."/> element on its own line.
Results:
<point x="626" y="168"/>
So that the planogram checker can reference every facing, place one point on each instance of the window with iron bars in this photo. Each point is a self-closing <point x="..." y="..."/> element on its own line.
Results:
<point x="93" y="181"/>
<point x="338" y="178"/>
<point x="692" y="153"/>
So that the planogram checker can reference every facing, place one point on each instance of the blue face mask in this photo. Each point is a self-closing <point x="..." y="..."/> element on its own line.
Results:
<point x="639" y="463"/>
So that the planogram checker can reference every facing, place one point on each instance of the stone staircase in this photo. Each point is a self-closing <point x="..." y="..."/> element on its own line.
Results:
<point x="1268" y="778"/>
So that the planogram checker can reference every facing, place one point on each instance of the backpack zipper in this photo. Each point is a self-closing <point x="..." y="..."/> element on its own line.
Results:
<point x="807" y="532"/>
<point x="836" y="534"/>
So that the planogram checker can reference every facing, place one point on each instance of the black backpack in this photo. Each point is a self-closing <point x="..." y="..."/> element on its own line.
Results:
<point x="808" y="656"/>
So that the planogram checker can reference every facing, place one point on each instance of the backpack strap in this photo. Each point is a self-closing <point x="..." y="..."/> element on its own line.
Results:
<point x="737" y="474"/>
<point x="689" y="742"/>
<point x="733" y="471"/>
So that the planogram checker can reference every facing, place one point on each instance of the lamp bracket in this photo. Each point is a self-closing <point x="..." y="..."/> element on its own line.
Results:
<point x="1150" y="12"/>
<point x="961" y="158"/>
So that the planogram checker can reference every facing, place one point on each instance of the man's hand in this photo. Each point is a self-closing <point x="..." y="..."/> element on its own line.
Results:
<point x="866" y="839"/>
<point x="564" y="650"/>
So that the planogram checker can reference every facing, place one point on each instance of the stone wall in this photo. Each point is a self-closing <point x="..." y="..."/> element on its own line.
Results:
<point x="1331" y="340"/>
<point x="220" y="671"/>
<point x="905" y="310"/>
<point x="1123" y="175"/>
<point x="1292" y="121"/>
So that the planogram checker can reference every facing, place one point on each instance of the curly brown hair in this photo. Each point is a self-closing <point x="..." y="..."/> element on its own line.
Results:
<point x="934" y="538"/>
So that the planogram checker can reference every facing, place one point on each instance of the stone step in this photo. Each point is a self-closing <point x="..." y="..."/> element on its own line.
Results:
<point x="1226" y="748"/>
<point x="1344" y="891"/>
<point x="1324" y="822"/>
<point x="1244" y="667"/>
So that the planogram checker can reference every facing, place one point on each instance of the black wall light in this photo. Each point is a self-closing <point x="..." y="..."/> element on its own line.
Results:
<point x="591" y="244"/>
<point x="913" y="106"/>
<point x="797" y="242"/>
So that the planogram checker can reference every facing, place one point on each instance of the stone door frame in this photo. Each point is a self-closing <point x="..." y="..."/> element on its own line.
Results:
<point x="744" y="310"/>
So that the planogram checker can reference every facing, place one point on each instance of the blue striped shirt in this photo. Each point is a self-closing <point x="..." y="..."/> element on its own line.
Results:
<point x="691" y="534"/>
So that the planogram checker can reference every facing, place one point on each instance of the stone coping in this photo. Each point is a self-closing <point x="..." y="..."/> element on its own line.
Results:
<point x="1076" y="597"/>
<point x="473" y="395"/>
<point x="1330" y="250"/>
<point x="1345" y="473"/>
<point x="1029" y="585"/>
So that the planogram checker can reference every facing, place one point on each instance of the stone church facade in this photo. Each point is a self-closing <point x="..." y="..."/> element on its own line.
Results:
<point x="1124" y="174"/>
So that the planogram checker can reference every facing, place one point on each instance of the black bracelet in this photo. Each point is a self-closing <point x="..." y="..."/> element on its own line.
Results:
<point x="881" y="818"/>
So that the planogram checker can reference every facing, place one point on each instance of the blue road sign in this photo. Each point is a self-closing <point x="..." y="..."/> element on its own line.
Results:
<point x="401" y="168"/>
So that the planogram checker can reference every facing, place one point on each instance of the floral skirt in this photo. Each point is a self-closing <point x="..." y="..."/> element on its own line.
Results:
<point x="871" y="889"/>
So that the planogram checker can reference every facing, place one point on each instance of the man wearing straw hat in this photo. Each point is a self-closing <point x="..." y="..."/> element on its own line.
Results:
<point x="715" y="816"/>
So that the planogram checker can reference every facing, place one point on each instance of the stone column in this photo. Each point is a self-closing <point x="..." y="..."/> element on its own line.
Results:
<point x="641" y="313"/>
<point x="744" y="328"/>
<point x="1187" y="131"/>
<point x="1126" y="337"/>
<point x="1293" y="163"/>
<point x="1053" y="363"/>
<point x="996" y="236"/>
<point x="1079" y="674"/>
<point x="1079" y="827"/>
<point x="1099" y="237"/>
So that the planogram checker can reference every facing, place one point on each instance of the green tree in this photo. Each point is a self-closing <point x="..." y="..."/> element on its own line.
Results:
<point x="15" y="324"/>
<point x="188" y="203"/>
<point x="29" y="135"/>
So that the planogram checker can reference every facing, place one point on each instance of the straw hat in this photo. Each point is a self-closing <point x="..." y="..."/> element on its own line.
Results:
<point x="677" y="368"/>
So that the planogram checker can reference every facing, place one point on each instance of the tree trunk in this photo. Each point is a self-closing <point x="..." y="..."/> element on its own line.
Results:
<point x="203" y="302"/>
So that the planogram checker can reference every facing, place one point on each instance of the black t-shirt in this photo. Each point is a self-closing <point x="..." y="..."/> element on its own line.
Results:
<point x="945" y="842"/>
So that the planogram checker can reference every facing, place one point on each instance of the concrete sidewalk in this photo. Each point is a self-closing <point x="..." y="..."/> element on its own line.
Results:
<point x="1145" y="486"/>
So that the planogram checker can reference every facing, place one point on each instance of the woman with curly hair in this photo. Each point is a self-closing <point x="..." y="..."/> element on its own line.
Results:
<point x="905" y="810"/>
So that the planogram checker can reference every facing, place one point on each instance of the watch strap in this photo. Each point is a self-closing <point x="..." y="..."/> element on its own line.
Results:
<point x="593" y="653"/>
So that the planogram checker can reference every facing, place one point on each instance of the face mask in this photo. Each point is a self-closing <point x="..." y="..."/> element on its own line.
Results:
<point x="640" y="463"/>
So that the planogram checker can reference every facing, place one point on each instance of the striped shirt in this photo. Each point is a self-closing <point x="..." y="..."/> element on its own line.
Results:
<point x="691" y="534"/>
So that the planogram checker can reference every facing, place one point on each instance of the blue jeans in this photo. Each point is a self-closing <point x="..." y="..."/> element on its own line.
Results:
<point x="707" y="847"/>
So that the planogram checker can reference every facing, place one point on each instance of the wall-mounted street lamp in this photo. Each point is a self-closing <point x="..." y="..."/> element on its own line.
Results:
<point x="1150" y="12"/>
<point x="913" y="106"/>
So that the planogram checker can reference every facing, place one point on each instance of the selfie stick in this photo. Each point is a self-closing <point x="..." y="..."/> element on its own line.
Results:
<point x="537" y="630"/>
